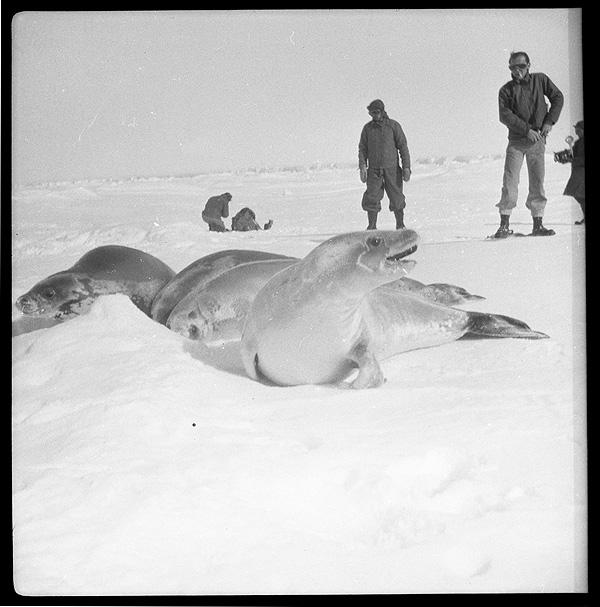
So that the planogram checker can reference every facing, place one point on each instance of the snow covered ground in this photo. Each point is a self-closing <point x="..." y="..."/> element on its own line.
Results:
<point x="146" y="464"/>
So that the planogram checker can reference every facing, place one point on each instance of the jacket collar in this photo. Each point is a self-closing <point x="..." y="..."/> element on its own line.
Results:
<point x="382" y="123"/>
<point x="525" y="80"/>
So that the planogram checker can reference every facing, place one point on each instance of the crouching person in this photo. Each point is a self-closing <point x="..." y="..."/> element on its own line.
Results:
<point x="215" y="208"/>
<point x="245" y="221"/>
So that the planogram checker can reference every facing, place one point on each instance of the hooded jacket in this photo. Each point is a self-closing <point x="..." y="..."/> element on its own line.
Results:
<point x="522" y="105"/>
<point x="380" y="143"/>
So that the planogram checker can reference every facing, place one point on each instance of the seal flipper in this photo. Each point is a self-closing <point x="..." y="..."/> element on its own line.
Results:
<point x="251" y="362"/>
<point x="370" y="374"/>
<point x="450" y="294"/>
<point x="438" y="292"/>
<point x="484" y="325"/>
<point x="249" y="357"/>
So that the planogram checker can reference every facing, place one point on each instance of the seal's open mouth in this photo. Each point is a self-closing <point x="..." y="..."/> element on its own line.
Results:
<point x="402" y="254"/>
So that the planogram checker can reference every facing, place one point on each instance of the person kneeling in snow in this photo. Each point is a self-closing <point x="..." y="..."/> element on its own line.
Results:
<point x="215" y="208"/>
<point x="245" y="220"/>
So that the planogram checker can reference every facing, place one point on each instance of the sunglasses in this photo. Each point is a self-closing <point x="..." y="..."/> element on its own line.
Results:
<point x="521" y="66"/>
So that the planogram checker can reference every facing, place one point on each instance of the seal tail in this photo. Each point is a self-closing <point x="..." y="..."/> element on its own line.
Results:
<point x="482" y="325"/>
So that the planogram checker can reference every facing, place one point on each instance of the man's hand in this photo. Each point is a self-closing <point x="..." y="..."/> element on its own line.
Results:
<point x="363" y="174"/>
<point x="546" y="128"/>
<point x="534" y="136"/>
<point x="405" y="174"/>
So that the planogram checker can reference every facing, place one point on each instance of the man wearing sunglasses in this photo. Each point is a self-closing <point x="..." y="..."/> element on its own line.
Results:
<point x="523" y="109"/>
<point x="380" y="142"/>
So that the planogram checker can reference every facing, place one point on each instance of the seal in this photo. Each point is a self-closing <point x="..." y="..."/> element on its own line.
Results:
<point x="104" y="270"/>
<point x="319" y="319"/>
<point x="198" y="273"/>
<point x="216" y="310"/>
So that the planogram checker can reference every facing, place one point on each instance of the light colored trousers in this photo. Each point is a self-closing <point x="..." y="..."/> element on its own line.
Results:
<point x="536" y="198"/>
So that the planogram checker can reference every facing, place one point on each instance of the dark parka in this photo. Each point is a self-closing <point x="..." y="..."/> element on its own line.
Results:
<point x="217" y="207"/>
<point x="522" y="105"/>
<point x="380" y="143"/>
<point x="244" y="221"/>
<point x="576" y="185"/>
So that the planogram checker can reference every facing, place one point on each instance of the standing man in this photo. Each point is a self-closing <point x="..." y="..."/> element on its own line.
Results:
<point x="215" y="208"/>
<point x="380" y="141"/>
<point x="523" y="109"/>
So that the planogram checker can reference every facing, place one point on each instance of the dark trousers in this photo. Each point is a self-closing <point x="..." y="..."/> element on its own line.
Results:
<point x="380" y="181"/>
<point x="215" y="224"/>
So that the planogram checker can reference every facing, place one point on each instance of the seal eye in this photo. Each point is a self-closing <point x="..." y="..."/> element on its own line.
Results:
<point x="49" y="293"/>
<point x="375" y="241"/>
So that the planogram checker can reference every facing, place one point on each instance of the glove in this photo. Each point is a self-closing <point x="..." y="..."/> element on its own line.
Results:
<point x="363" y="174"/>
<point x="546" y="128"/>
<point x="533" y="136"/>
<point x="406" y="174"/>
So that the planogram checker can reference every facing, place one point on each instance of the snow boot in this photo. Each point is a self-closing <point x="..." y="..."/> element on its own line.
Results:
<point x="503" y="231"/>
<point x="372" y="215"/>
<point x="399" y="219"/>
<point x="539" y="229"/>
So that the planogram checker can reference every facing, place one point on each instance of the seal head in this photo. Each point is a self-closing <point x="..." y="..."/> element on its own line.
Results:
<point x="59" y="296"/>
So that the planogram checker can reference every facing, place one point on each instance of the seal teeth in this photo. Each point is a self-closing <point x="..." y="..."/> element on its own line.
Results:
<point x="402" y="254"/>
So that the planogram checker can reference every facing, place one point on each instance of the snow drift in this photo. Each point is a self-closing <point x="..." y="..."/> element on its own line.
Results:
<point x="144" y="463"/>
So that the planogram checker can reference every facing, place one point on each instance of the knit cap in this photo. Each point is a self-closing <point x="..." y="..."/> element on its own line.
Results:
<point x="377" y="104"/>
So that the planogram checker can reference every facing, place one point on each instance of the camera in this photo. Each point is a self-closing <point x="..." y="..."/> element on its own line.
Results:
<point x="563" y="156"/>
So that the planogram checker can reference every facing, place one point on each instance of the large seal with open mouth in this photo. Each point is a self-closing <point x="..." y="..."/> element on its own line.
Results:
<point x="322" y="317"/>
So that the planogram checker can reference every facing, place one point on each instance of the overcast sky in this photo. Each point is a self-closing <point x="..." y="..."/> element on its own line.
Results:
<point x="114" y="94"/>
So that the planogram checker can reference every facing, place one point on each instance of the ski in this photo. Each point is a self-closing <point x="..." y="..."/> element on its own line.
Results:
<point x="517" y="234"/>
